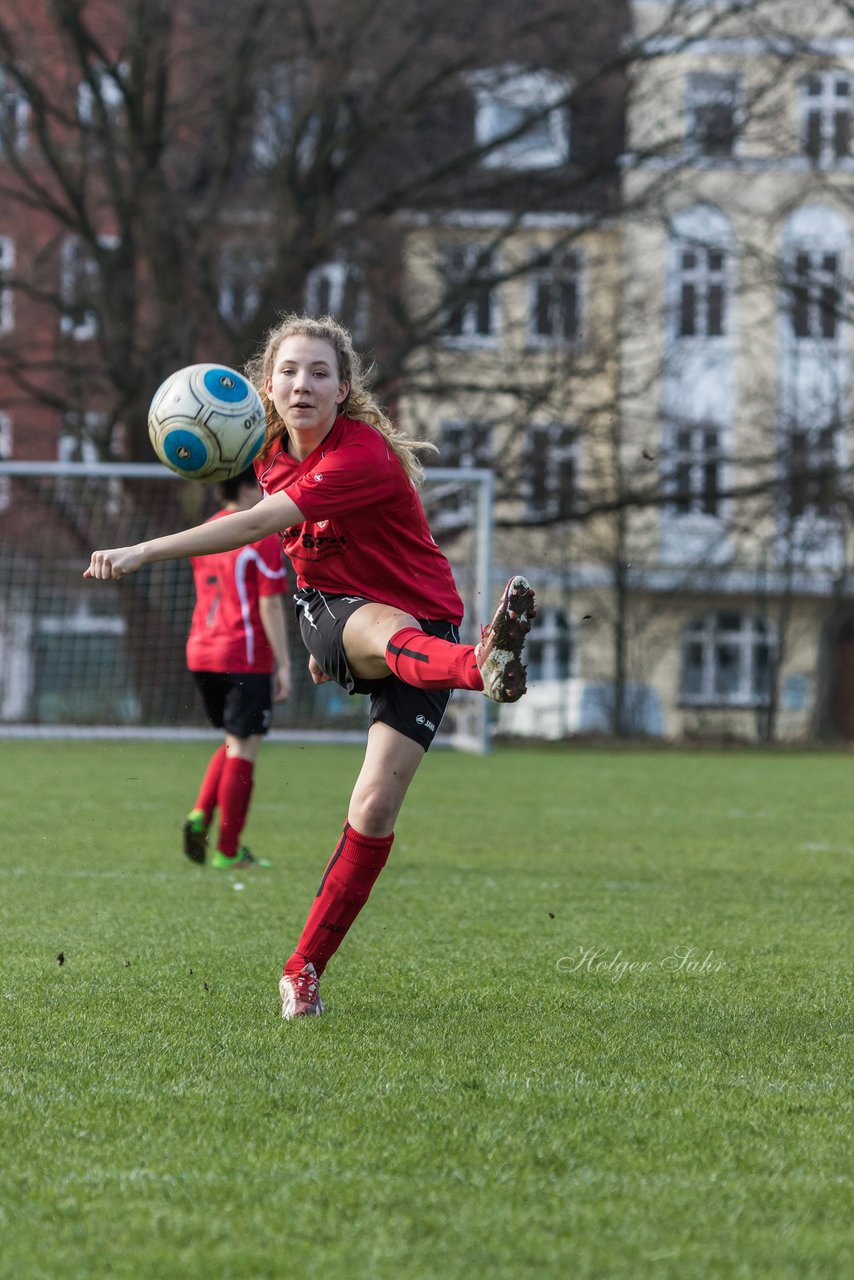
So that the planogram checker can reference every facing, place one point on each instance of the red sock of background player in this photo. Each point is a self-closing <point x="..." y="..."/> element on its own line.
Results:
<point x="344" y="889"/>
<point x="210" y="784"/>
<point x="235" y="790"/>
<point x="429" y="662"/>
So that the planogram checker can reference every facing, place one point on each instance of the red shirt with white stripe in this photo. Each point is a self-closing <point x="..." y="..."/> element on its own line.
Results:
<point x="365" y="532"/>
<point x="226" y="633"/>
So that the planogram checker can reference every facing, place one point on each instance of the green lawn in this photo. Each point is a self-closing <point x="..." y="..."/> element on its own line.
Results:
<point x="493" y="1092"/>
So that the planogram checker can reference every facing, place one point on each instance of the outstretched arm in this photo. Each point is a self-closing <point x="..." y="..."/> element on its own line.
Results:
<point x="267" y="516"/>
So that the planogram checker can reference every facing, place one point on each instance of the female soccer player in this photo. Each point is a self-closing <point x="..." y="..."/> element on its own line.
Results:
<point x="237" y="650"/>
<point x="376" y="602"/>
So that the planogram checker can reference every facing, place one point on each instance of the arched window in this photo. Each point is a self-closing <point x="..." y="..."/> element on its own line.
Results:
<point x="5" y="455"/>
<point x="550" y="651"/>
<point x="7" y="293"/>
<point x="726" y="661"/>
<point x="14" y="116"/>
<point x="816" y="242"/>
<point x="242" y="269"/>
<point x="700" y="273"/>
<point x="814" y="376"/>
<point x="338" y="288"/>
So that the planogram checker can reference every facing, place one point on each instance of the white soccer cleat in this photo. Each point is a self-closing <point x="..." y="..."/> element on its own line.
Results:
<point x="498" y="655"/>
<point x="301" y="993"/>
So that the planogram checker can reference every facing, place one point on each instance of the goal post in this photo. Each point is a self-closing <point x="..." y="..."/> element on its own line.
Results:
<point x="108" y="659"/>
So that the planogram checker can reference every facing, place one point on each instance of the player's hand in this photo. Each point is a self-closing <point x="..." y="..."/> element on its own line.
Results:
<point x="314" y="670"/>
<point x="282" y="684"/>
<point x="114" y="564"/>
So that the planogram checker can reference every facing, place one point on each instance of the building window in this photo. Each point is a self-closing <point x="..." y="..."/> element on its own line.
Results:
<point x="694" y="477"/>
<point x="826" y="107"/>
<point x="814" y="293"/>
<point x="713" y="117"/>
<point x="461" y="444"/>
<point x="14" y="117"/>
<point x="7" y="292"/>
<point x="5" y="455"/>
<point x="555" y="318"/>
<point x="283" y="124"/>
<point x="338" y="289"/>
<point x="812" y="472"/>
<point x="241" y="274"/>
<point x="550" y="650"/>
<point x="702" y="291"/>
<point x="551" y="471"/>
<point x="81" y="287"/>
<point x="521" y="116"/>
<point x="103" y="93"/>
<point x="470" y="309"/>
<point x="726" y="661"/>
<point x="274" y="116"/>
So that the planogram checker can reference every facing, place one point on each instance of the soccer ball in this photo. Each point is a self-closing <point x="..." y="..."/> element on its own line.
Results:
<point x="206" y="422"/>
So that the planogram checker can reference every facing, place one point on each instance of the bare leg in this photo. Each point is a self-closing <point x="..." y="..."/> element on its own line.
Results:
<point x="366" y="635"/>
<point x="390" y="763"/>
<point x="242" y="748"/>
<point x="388" y="768"/>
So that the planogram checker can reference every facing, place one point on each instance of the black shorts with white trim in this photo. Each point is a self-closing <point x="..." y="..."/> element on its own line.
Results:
<point x="416" y="713"/>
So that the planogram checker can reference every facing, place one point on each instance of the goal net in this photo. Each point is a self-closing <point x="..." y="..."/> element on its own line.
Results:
<point x="81" y="658"/>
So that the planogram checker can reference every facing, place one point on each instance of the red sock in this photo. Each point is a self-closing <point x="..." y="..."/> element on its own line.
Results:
<point x="429" y="662"/>
<point x="235" y="790"/>
<point x="210" y="783"/>
<point x="344" y="889"/>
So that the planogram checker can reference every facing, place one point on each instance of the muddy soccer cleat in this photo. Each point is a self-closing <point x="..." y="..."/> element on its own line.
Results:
<point x="498" y="656"/>
<point x="196" y="835"/>
<point x="300" y="993"/>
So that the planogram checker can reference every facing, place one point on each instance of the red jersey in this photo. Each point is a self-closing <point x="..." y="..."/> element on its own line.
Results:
<point x="365" y="532"/>
<point x="226" y="633"/>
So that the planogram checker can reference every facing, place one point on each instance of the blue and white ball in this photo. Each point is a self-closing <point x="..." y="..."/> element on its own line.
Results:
<point x="206" y="422"/>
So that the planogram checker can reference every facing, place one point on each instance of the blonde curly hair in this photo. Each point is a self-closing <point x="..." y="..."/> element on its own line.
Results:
<point x="360" y="403"/>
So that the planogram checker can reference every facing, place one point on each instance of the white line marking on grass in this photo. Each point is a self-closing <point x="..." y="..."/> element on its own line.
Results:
<point x="91" y="874"/>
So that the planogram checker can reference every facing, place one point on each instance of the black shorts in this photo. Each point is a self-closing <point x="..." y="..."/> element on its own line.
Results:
<point x="240" y="703"/>
<point x="416" y="713"/>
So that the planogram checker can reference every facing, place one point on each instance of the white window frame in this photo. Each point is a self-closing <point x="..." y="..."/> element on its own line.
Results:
<point x="540" y="94"/>
<point x="109" y="92"/>
<point x="471" y="335"/>
<point x="703" y="278"/>
<point x="691" y="460"/>
<point x="562" y="444"/>
<point x="333" y="279"/>
<point x="819" y="450"/>
<point x="7" y="291"/>
<point x="274" y="117"/>
<point x="701" y="229"/>
<point x="241" y="270"/>
<point x="818" y="278"/>
<point x="565" y="268"/>
<point x="826" y="103"/>
<point x="75" y="443"/>
<point x="708" y="89"/>
<point x="554" y="628"/>
<point x="15" y="109"/>
<point x="72" y="274"/>
<point x="6" y="448"/>
<point x="473" y="442"/>
<point x="746" y="640"/>
<point x="276" y="107"/>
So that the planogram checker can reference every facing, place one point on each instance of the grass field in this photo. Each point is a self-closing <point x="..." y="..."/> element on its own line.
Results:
<point x="494" y="1092"/>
